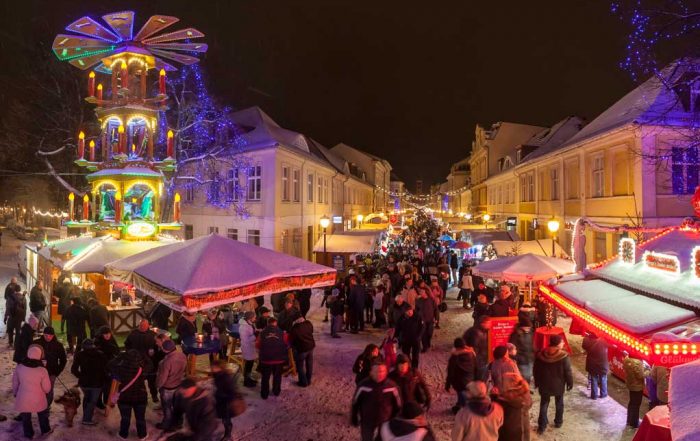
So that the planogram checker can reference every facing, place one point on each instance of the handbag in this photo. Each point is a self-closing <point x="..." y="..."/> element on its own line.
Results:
<point x="442" y="307"/>
<point x="237" y="406"/>
<point x="115" y="396"/>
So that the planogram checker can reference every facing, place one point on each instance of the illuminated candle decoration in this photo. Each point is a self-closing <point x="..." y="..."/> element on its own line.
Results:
<point x="124" y="75"/>
<point x="99" y="92"/>
<point x="171" y="144"/>
<point x="176" y="208"/>
<point x="161" y="82"/>
<point x="121" y="148"/>
<point x="92" y="150"/>
<point x="695" y="263"/>
<point x="81" y="145"/>
<point x="118" y="206"/>
<point x="91" y="84"/>
<point x="627" y="250"/>
<point x="71" y="200"/>
<point x="86" y="207"/>
<point x="133" y="149"/>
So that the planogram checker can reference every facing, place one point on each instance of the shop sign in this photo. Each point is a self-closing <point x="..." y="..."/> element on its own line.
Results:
<point x="393" y="219"/>
<point x="501" y="329"/>
<point x="662" y="262"/>
<point x="339" y="263"/>
<point x="337" y="219"/>
<point x="140" y="229"/>
<point x="512" y="222"/>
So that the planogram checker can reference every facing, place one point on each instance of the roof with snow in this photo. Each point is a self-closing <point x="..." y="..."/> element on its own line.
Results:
<point x="659" y="100"/>
<point x="261" y="131"/>
<point x="140" y="172"/>
<point x="553" y="138"/>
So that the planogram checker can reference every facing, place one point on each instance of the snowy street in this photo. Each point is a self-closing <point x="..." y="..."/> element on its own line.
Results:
<point x="321" y="412"/>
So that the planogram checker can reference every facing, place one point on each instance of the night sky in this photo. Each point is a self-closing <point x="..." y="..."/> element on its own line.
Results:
<point x="405" y="80"/>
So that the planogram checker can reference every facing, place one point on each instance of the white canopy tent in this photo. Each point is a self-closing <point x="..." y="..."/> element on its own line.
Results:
<point x="213" y="270"/>
<point x="540" y="247"/>
<point x="354" y="242"/>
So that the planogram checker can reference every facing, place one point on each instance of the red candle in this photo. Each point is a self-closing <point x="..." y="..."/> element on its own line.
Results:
<point x="81" y="145"/>
<point x="86" y="207"/>
<point x="176" y="208"/>
<point x="161" y="82"/>
<point x="124" y="75"/>
<point x="121" y="147"/>
<point x="118" y="207"/>
<point x="92" y="151"/>
<point x="99" y="92"/>
<point x="91" y="84"/>
<point x="71" y="198"/>
<point x="171" y="145"/>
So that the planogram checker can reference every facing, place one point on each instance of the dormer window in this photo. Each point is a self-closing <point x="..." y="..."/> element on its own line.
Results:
<point x="507" y="163"/>
<point x="518" y="156"/>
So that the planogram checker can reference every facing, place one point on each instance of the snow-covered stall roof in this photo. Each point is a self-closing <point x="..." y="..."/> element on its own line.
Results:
<point x="213" y="270"/>
<point x="682" y="288"/>
<point x="524" y="268"/>
<point x="60" y="252"/>
<point x="582" y="292"/>
<point x="94" y="259"/>
<point x="683" y="399"/>
<point x="485" y="237"/>
<point x="541" y="247"/>
<point x="639" y="314"/>
<point x="361" y="242"/>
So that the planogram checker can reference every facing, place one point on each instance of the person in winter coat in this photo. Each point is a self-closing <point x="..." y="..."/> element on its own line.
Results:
<point x="480" y="419"/>
<point x="198" y="407"/>
<point x="501" y="365"/>
<point x="143" y="339"/>
<point x="461" y="370"/>
<point x="502" y="306"/>
<point x="481" y="307"/>
<point x="55" y="358"/>
<point x="304" y="301"/>
<point x="409" y="331"/>
<point x="246" y="331"/>
<point x="63" y="295"/>
<point x="659" y="376"/>
<point x="37" y="303"/>
<point x="364" y="362"/>
<point x="437" y="293"/>
<point x="409" y="293"/>
<point x="634" y="379"/>
<point x="272" y="343"/>
<point x="376" y="400"/>
<point x="129" y="369"/>
<point x="98" y="316"/>
<point x="466" y="288"/>
<point x="186" y="326"/>
<point x="336" y="305"/>
<point x="171" y="373"/>
<point x="89" y="366"/>
<point x="514" y="397"/>
<point x="397" y="309"/>
<point x="427" y="311"/>
<point x="476" y="338"/>
<point x="522" y="339"/>
<point x="16" y="310"/>
<point x="160" y="316"/>
<point x="378" y="306"/>
<point x="596" y="364"/>
<point x="215" y="327"/>
<point x="225" y="391"/>
<point x="410" y="424"/>
<point x="25" y="338"/>
<point x="356" y="301"/>
<point x="263" y="315"/>
<point x="30" y="384"/>
<point x="410" y="382"/>
<point x="301" y="338"/>
<point x="552" y="372"/>
<point x="105" y="342"/>
<point x="76" y="318"/>
<point x="285" y="319"/>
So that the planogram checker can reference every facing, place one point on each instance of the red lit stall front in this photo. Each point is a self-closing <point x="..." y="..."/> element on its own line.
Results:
<point x="646" y="301"/>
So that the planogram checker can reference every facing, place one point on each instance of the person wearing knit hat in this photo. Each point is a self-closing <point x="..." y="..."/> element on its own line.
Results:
<point x="30" y="385"/>
<point x="480" y="419"/>
<point x="552" y="373"/>
<point x="54" y="358"/>
<point x="501" y="365"/>
<point x="246" y="333"/>
<point x="409" y="424"/>
<point x="89" y="366"/>
<point x="24" y="339"/>
<point x="171" y="372"/>
<point x="522" y="338"/>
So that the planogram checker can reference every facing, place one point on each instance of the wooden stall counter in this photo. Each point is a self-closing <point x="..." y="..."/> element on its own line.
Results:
<point x="123" y="319"/>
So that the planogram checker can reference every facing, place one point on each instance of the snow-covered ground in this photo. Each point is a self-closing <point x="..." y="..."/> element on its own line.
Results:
<point x="321" y="412"/>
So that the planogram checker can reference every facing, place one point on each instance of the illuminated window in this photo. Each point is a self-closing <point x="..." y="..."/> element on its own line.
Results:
<point x="232" y="185"/>
<point x="296" y="185"/>
<point x="285" y="184"/>
<point x="320" y="190"/>
<point x="310" y="188"/>
<point x="684" y="169"/>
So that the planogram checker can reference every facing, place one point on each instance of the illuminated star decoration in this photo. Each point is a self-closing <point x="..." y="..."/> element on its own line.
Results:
<point x="98" y="41"/>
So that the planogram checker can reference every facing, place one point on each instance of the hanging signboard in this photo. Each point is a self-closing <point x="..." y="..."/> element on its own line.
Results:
<point x="501" y="328"/>
<point x="339" y="263"/>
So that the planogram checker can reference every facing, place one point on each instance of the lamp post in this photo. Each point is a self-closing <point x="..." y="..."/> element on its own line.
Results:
<point x="553" y="227"/>
<point x="324" y="224"/>
<point x="487" y="218"/>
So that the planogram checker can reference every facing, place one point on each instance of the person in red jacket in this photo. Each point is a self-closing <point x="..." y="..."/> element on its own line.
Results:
<point x="272" y="344"/>
<point x="377" y="399"/>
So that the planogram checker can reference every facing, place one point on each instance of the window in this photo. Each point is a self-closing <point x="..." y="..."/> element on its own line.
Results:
<point x="498" y="194"/>
<point x="527" y="188"/>
<point x="189" y="193"/>
<point x="571" y="180"/>
<point x="598" y="179"/>
<point x="215" y="188"/>
<point x="518" y="156"/>
<point x="254" y="237"/>
<point x="254" y="183"/>
<point x="326" y="199"/>
<point x="214" y="230"/>
<point x="511" y="199"/>
<point x="554" y="184"/>
<point x="296" y="185"/>
<point x="285" y="184"/>
<point x="232" y="185"/>
<point x="232" y="233"/>
<point x="189" y="231"/>
<point x="319" y="197"/>
<point x="685" y="165"/>
<point x="310" y="188"/>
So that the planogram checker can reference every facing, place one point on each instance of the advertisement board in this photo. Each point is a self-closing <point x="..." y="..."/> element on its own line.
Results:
<point x="501" y="328"/>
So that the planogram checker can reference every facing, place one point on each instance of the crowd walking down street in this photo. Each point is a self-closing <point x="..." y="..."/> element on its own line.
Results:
<point x="416" y="367"/>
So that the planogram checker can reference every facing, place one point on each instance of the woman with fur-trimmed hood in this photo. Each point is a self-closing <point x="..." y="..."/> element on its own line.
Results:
<point x="516" y="401"/>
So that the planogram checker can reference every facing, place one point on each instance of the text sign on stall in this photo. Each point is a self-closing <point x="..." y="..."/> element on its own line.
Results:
<point x="501" y="328"/>
<point x="339" y="263"/>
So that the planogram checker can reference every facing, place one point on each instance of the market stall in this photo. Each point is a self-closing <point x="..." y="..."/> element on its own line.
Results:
<point x="540" y="247"/>
<point x="645" y="300"/>
<point x="341" y="248"/>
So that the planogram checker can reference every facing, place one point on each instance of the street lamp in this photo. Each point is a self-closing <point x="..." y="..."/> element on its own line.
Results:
<point x="487" y="218"/>
<point x="324" y="224"/>
<point x="553" y="227"/>
<point x="359" y="220"/>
